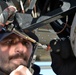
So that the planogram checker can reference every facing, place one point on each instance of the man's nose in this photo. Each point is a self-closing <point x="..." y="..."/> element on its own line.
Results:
<point x="20" y="48"/>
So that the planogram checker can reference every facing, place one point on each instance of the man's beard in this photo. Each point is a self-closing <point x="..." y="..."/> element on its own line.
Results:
<point x="9" y="66"/>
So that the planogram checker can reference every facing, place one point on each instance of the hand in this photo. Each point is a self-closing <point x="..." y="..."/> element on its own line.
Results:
<point x="21" y="70"/>
<point x="5" y="18"/>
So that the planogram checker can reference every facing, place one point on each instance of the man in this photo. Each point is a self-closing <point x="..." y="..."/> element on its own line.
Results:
<point x="15" y="51"/>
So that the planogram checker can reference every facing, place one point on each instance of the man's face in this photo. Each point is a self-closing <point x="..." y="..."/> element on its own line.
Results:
<point x="14" y="51"/>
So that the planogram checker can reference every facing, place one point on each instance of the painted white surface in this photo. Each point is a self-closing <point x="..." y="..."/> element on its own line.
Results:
<point x="45" y="68"/>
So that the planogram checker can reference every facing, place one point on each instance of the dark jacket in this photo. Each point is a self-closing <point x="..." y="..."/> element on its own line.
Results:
<point x="63" y="66"/>
<point x="36" y="69"/>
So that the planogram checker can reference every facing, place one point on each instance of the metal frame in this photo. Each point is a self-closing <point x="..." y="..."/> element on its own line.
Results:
<point x="33" y="23"/>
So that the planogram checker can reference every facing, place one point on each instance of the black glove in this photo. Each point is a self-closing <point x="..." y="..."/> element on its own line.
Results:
<point x="62" y="46"/>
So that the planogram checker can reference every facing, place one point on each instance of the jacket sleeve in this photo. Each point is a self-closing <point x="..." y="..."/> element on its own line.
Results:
<point x="63" y="66"/>
<point x="63" y="62"/>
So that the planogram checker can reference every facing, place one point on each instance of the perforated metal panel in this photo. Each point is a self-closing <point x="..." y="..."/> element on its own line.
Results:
<point x="45" y="34"/>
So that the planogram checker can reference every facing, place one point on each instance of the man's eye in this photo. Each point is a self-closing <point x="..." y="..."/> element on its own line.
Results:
<point x="9" y="41"/>
<point x="24" y="43"/>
